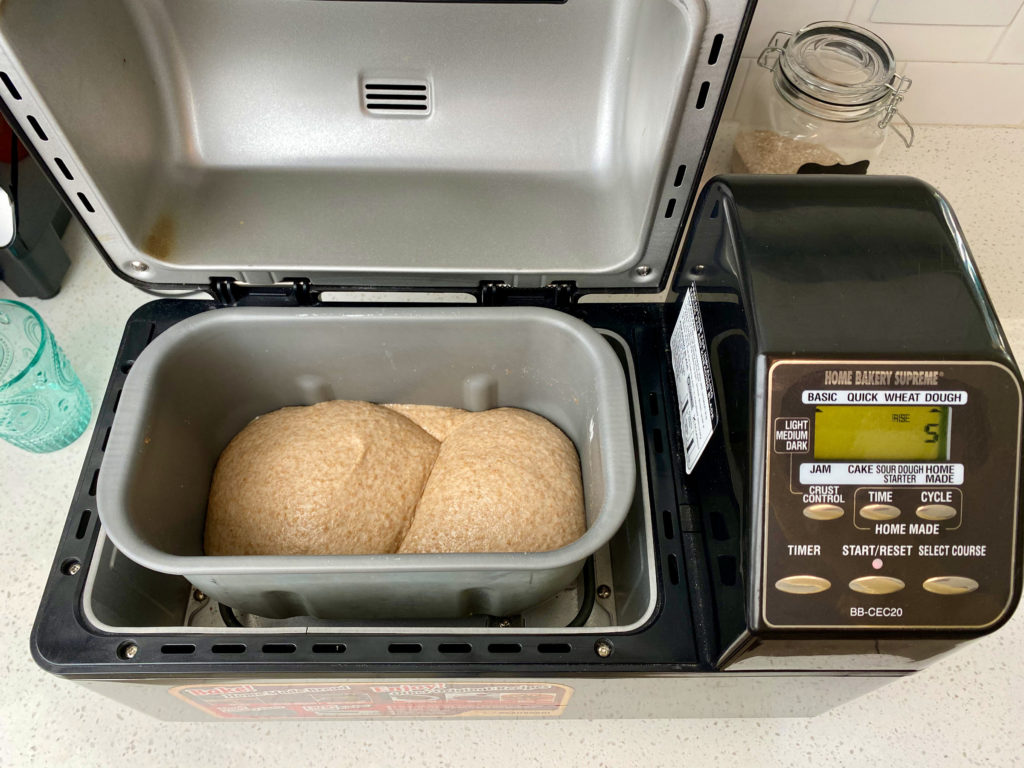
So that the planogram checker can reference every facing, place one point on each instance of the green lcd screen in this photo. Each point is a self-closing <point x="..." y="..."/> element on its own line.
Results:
<point x="881" y="433"/>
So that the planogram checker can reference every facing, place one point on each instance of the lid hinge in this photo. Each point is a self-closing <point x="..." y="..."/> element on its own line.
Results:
<point x="293" y="291"/>
<point x="557" y="295"/>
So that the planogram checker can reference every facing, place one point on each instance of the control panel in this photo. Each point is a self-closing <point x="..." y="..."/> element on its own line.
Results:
<point x="891" y="494"/>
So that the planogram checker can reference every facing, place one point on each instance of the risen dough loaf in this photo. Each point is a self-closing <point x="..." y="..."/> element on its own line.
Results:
<point x="339" y="477"/>
<point x="505" y="480"/>
<point x="436" y="420"/>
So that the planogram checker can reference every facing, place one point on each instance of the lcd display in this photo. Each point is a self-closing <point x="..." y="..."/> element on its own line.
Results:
<point x="881" y="433"/>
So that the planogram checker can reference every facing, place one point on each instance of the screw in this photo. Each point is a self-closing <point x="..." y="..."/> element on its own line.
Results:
<point x="138" y="266"/>
<point x="504" y="623"/>
<point x="130" y="651"/>
<point x="643" y="270"/>
<point x="698" y="268"/>
<point x="198" y="595"/>
<point x="74" y="568"/>
<point x="603" y="648"/>
<point x="604" y="591"/>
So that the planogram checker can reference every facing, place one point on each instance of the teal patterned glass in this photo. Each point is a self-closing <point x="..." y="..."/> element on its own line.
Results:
<point x="43" y="406"/>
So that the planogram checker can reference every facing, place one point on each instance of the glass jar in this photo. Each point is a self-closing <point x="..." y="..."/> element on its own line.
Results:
<point x="825" y="105"/>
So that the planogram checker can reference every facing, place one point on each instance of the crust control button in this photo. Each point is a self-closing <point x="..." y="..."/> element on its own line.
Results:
<point x="823" y="511"/>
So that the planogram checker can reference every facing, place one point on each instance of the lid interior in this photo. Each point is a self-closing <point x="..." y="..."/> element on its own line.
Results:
<point x="370" y="143"/>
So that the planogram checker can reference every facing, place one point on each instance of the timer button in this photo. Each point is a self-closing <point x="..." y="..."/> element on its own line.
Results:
<point x="936" y="512"/>
<point x="823" y="511"/>
<point x="950" y="585"/>
<point x="879" y="512"/>
<point x="802" y="585"/>
<point x="876" y="585"/>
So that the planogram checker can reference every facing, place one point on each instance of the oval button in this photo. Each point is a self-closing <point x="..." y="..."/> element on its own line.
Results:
<point x="802" y="585"/>
<point x="950" y="585"/>
<point x="876" y="585"/>
<point x="823" y="511"/>
<point x="879" y="512"/>
<point x="936" y="512"/>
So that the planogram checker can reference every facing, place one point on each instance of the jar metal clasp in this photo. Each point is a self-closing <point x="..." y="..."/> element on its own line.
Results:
<point x="899" y="86"/>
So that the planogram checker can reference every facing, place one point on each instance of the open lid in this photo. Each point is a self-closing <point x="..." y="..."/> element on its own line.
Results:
<point x="374" y="144"/>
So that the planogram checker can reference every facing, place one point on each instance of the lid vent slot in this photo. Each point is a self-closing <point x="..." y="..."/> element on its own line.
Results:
<point x="397" y="97"/>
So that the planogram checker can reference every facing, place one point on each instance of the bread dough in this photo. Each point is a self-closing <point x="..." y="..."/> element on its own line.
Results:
<point x="436" y="420"/>
<point x="505" y="480"/>
<point x="339" y="477"/>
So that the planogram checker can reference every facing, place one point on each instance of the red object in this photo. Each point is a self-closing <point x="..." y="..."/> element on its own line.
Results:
<point x="5" y="144"/>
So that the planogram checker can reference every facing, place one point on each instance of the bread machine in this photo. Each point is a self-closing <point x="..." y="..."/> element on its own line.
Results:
<point x="821" y="414"/>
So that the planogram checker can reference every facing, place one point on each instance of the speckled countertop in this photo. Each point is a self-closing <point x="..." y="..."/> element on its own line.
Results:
<point x="965" y="709"/>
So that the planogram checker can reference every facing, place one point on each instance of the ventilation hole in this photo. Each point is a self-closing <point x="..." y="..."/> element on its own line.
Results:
<point x="117" y="399"/>
<point x="727" y="570"/>
<point x="10" y="86"/>
<point x="86" y="203"/>
<point x="658" y="446"/>
<point x="554" y="648"/>
<point x="407" y="97"/>
<point x="718" y="527"/>
<point x="702" y="96"/>
<point x="652" y="403"/>
<point x="106" y="439"/>
<point x="455" y="648"/>
<point x="666" y="523"/>
<point x="95" y="479"/>
<point x="229" y="648"/>
<point x="394" y="87"/>
<point x="411" y="107"/>
<point x="328" y="648"/>
<point x="152" y="332"/>
<point x="63" y="169"/>
<point x="504" y="648"/>
<point x="716" y="48"/>
<point x="680" y="173"/>
<point x="405" y="648"/>
<point x="83" y="523"/>
<point x="396" y="97"/>
<point x="673" y="569"/>
<point x="178" y="648"/>
<point x="714" y="211"/>
<point x="279" y="648"/>
<point x="670" y="208"/>
<point x="37" y="127"/>
<point x="71" y="566"/>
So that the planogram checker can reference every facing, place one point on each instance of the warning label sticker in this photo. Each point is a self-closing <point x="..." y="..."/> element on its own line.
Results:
<point x="692" y="367"/>
<point x="324" y="700"/>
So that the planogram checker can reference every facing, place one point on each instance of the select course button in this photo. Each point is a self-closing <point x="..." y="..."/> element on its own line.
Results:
<point x="823" y="511"/>
<point x="936" y="512"/>
<point x="879" y="512"/>
<point x="876" y="585"/>
<point x="950" y="585"/>
<point x="802" y="585"/>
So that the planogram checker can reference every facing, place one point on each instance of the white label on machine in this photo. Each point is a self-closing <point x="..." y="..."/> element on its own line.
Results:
<point x="884" y="397"/>
<point x="694" y="385"/>
<point x="882" y="473"/>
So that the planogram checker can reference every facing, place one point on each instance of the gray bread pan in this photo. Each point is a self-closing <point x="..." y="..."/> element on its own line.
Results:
<point x="205" y="378"/>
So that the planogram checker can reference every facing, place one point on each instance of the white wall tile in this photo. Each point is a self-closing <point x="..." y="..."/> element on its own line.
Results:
<point x="789" y="15"/>
<point x="965" y="94"/>
<point x="739" y="78"/>
<point x="996" y="13"/>
<point x="930" y="42"/>
<point x="1011" y="48"/>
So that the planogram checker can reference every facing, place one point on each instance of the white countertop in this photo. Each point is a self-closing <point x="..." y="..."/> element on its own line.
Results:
<point x="965" y="709"/>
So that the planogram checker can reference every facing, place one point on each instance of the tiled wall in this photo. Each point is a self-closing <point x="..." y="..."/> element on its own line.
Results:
<point x="966" y="57"/>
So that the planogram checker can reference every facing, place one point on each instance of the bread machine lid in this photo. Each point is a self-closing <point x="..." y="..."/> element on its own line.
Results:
<point x="374" y="144"/>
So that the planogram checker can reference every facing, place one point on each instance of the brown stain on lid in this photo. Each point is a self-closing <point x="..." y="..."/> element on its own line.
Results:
<point x="159" y="242"/>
